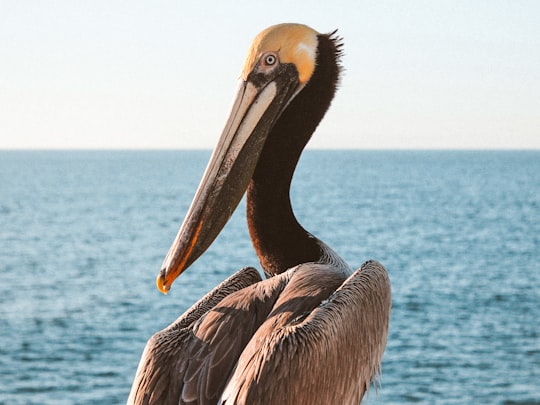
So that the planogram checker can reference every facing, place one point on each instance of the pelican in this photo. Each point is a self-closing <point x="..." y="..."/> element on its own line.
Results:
<point x="314" y="331"/>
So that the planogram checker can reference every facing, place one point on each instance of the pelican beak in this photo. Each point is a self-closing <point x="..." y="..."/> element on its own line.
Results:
<point x="259" y="102"/>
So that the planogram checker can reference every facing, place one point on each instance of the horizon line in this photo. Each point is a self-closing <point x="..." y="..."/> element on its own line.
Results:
<point x="317" y="148"/>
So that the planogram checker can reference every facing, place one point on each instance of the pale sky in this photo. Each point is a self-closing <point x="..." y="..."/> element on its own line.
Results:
<point x="161" y="74"/>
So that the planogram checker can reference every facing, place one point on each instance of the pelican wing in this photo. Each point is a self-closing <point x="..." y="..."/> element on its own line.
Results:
<point x="191" y="361"/>
<point x="162" y="365"/>
<point x="328" y="354"/>
<point x="218" y="339"/>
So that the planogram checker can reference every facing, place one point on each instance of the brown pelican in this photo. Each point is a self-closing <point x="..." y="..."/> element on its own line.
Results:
<point x="314" y="331"/>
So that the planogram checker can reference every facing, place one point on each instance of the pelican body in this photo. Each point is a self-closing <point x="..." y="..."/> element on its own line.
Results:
<point x="312" y="332"/>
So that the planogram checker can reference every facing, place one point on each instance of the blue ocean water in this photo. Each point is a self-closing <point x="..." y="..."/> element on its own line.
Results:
<point x="83" y="234"/>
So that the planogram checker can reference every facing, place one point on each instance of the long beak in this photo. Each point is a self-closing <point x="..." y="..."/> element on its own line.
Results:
<point x="256" y="108"/>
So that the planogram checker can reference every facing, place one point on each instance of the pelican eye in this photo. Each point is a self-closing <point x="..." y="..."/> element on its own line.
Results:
<point x="268" y="62"/>
<point x="270" y="59"/>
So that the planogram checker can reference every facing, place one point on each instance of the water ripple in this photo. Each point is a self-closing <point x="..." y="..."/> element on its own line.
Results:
<point x="84" y="233"/>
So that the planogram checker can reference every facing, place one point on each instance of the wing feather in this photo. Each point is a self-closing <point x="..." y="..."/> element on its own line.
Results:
<point x="162" y="362"/>
<point x="190" y="361"/>
<point x="327" y="354"/>
<point x="220" y="337"/>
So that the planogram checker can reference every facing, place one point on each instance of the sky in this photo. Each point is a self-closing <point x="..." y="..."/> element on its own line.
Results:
<point x="162" y="74"/>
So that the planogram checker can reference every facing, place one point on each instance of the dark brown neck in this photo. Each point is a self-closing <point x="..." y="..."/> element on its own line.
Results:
<point x="278" y="238"/>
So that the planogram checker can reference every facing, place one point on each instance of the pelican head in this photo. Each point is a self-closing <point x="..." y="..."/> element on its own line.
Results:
<point x="280" y="63"/>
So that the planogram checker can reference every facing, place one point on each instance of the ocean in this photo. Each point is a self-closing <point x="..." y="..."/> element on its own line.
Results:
<point x="83" y="235"/>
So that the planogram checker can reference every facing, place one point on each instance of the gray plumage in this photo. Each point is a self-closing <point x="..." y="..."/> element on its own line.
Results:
<point x="309" y="335"/>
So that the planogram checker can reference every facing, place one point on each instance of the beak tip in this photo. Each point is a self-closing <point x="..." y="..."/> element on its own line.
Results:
<point x="161" y="282"/>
